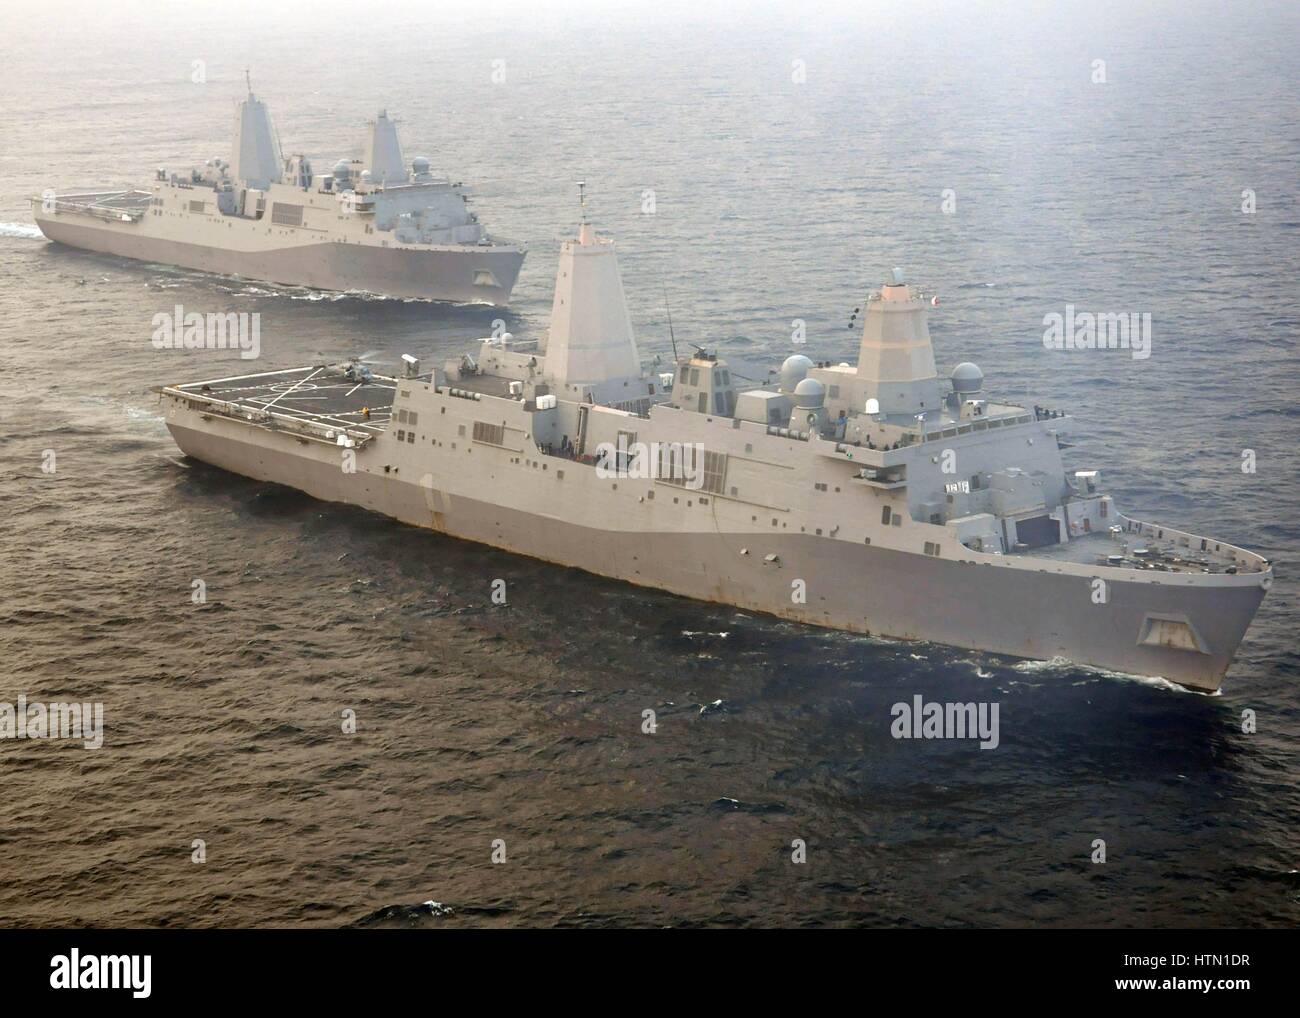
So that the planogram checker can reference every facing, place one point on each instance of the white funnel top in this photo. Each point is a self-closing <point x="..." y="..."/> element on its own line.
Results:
<point x="591" y="337"/>
<point x="257" y="161"/>
<point x="383" y="156"/>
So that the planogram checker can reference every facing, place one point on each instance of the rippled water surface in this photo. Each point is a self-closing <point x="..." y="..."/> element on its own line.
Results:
<point x="774" y="201"/>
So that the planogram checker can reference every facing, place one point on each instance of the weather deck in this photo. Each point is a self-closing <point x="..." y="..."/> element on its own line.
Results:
<point x="1135" y="552"/>
<point x="317" y="395"/>
<point x="124" y="206"/>
<point x="484" y="385"/>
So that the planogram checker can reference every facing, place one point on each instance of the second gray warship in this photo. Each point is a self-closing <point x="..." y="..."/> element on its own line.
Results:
<point x="370" y="225"/>
<point x="873" y="497"/>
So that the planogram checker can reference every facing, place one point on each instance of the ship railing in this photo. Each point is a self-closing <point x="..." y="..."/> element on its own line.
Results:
<point x="1245" y="561"/>
<point x="95" y="195"/>
<point x="321" y="431"/>
<point x="966" y="427"/>
<point x="109" y="205"/>
<point x="97" y="212"/>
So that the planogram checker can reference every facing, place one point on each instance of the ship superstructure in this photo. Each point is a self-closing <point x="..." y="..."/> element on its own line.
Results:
<point x="374" y="225"/>
<point x="876" y="498"/>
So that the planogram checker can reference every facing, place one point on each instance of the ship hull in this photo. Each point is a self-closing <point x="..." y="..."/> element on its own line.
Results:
<point x="444" y="274"/>
<point x="1019" y="612"/>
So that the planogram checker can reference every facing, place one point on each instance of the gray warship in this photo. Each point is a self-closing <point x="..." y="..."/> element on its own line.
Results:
<point x="370" y="225"/>
<point x="873" y="497"/>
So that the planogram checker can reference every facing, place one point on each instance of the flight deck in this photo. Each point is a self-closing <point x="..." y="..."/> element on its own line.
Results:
<point x="325" y="401"/>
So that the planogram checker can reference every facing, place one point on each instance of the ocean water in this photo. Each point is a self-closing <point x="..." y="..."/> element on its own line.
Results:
<point x="774" y="199"/>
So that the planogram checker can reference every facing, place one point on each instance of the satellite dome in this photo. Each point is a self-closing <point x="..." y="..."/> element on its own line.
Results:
<point x="342" y="170"/>
<point x="967" y="377"/>
<point x="809" y="394"/>
<point x="366" y="176"/>
<point x="794" y="370"/>
<point x="420" y="164"/>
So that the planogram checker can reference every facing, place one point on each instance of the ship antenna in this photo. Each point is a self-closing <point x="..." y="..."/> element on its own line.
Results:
<point x="248" y="78"/>
<point x="668" y="308"/>
<point x="582" y="202"/>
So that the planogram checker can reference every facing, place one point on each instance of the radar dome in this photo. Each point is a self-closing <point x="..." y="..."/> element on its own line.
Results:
<point x="809" y="394"/>
<point x="342" y="170"/>
<point x="420" y="164"/>
<point x="794" y="370"/>
<point x="967" y="377"/>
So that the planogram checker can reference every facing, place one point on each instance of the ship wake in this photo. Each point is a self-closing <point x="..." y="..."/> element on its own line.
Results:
<point x="26" y="231"/>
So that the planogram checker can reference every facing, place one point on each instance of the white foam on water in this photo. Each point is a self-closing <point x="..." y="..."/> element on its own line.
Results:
<point x="1158" y="682"/>
<point x="141" y="414"/>
<point x="1051" y="665"/>
<point x="1058" y="664"/>
<point x="27" y="231"/>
